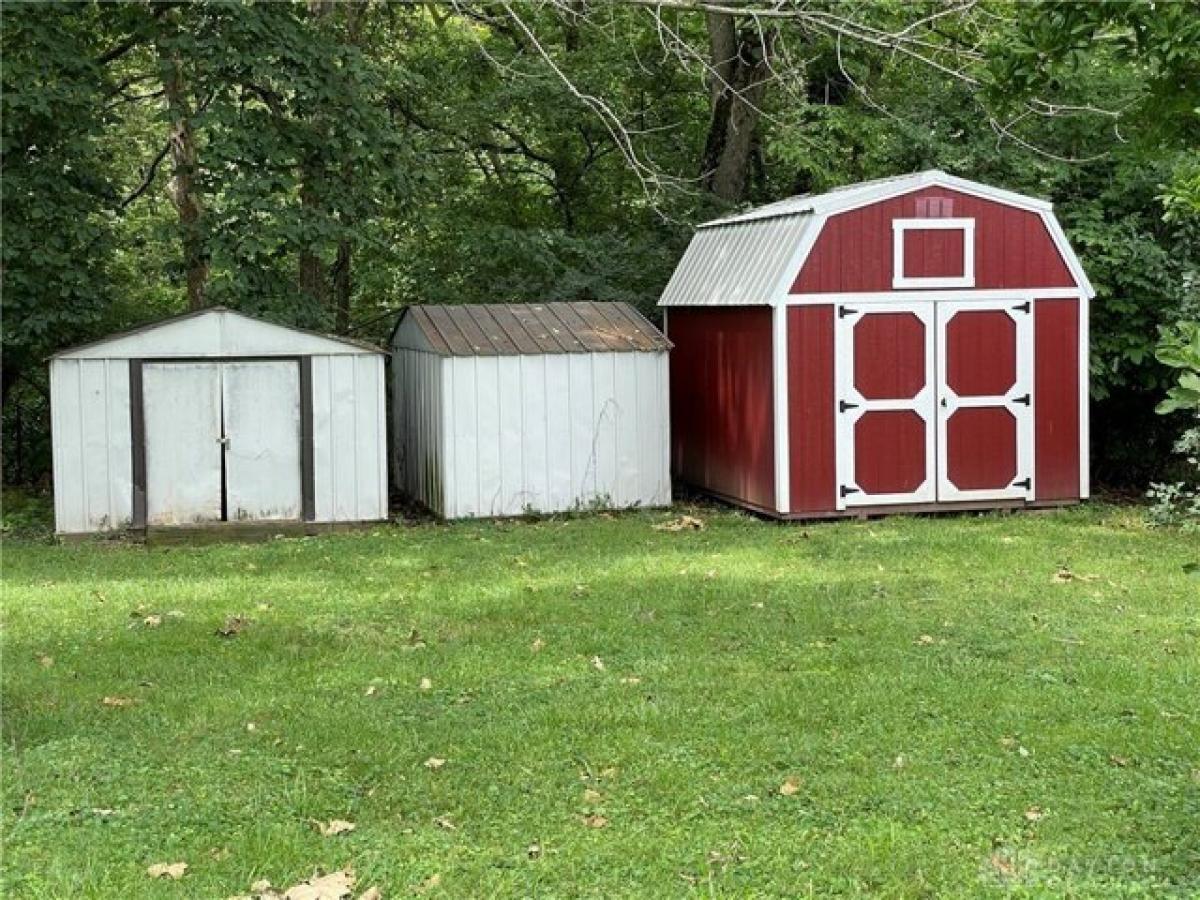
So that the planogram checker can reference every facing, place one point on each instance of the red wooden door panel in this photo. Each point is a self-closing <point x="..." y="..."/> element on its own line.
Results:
<point x="985" y="400"/>
<point x="884" y="403"/>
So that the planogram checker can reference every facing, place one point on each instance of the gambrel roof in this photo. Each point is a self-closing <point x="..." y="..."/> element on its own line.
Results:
<point x="752" y="257"/>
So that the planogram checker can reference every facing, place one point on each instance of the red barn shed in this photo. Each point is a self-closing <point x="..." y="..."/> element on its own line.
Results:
<point x="915" y="343"/>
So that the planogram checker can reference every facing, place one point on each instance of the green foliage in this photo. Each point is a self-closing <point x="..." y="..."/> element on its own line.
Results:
<point x="1179" y="348"/>
<point x="1178" y="503"/>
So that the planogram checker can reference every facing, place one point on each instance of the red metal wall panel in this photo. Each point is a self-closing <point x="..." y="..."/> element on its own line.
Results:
<point x="1056" y="399"/>
<point x="1013" y="249"/>
<point x="810" y="409"/>
<point x="722" y="417"/>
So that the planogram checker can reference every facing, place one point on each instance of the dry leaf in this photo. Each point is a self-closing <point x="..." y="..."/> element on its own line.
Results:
<point x="434" y="763"/>
<point x="591" y="797"/>
<point x="45" y="660"/>
<point x="262" y="886"/>
<point x="371" y="893"/>
<point x="595" y="821"/>
<point x="446" y="823"/>
<point x="1023" y="752"/>
<point x="1003" y="865"/>
<point x="334" y="886"/>
<point x="233" y="626"/>
<point x="1034" y="814"/>
<point x="428" y="884"/>
<point x="900" y="762"/>
<point x="152" y="621"/>
<point x="537" y="645"/>
<point x="118" y="701"/>
<point x="924" y="640"/>
<point x="250" y="726"/>
<point x="174" y="871"/>
<point x="426" y="684"/>
<point x="597" y="664"/>
<point x="790" y="786"/>
<point x="1119" y="761"/>
<point x="371" y="690"/>
<point x="683" y="523"/>
<point x="334" y="827"/>
<point x="631" y="679"/>
<point x="534" y="850"/>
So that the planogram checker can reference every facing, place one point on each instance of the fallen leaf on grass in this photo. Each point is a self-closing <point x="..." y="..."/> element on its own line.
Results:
<point x="415" y="641"/>
<point x="1065" y="575"/>
<point x="117" y="702"/>
<point x="371" y="893"/>
<point x="426" y="684"/>
<point x="152" y="621"/>
<point x="434" y="763"/>
<point x="595" y="821"/>
<point x="334" y="827"/>
<point x="683" y="523"/>
<point x="924" y="640"/>
<point x="631" y="679"/>
<point x="174" y="871"/>
<point x="1034" y="814"/>
<point x="790" y="786"/>
<point x="537" y="645"/>
<point x="1003" y="865"/>
<point x="597" y="664"/>
<point x="1119" y="761"/>
<point x="591" y="797"/>
<point x="45" y="660"/>
<point x="233" y="626"/>
<point x="371" y="690"/>
<point x="428" y="884"/>
<point x="900" y="762"/>
<point x="445" y="823"/>
<point x="334" y="886"/>
<point x="534" y="850"/>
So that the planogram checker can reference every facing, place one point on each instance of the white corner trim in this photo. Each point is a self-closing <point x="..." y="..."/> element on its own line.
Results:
<point x="1074" y="266"/>
<point x="780" y="373"/>
<point x="1085" y="476"/>
<point x="900" y="229"/>
<point x="799" y="256"/>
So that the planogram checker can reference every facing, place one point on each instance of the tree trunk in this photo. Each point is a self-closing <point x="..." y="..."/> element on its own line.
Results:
<point x="740" y="68"/>
<point x="182" y="187"/>
<point x="342" y="286"/>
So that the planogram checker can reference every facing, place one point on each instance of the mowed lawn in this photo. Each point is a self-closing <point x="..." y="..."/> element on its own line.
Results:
<point x="971" y="705"/>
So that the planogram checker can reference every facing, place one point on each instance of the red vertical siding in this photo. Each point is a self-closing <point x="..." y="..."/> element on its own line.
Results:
<point x="810" y="409"/>
<point x="722" y="418"/>
<point x="933" y="253"/>
<point x="1056" y="399"/>
<point x="1013" y="249"/>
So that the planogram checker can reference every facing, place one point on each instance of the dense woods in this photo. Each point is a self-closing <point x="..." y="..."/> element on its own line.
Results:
<point x="324" y="164"/>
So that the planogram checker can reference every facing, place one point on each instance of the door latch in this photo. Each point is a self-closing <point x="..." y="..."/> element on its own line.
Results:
<point x="844" y="311"/>
<point x="845" y="490"/>
<point x="1022" y="307"/>
<point x="1024" y="398"/>
<point x="1023" y="483"/>
<point x="843" y="406"/>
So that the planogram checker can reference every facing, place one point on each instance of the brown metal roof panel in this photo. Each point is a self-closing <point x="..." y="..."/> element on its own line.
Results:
<point x="506" y="318"/>
<point x="483" y="317"/>
<point x="538" y="330"/>
<point x="588" y="339"/>
<point x="457" y="343"/>
<point x="616" y="335"/>
<point x="562" y="330"/>
<point x="641" y="332"/>
<point x="421" y="318"/>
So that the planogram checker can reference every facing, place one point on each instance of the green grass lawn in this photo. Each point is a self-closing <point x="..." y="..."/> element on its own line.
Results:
<point x="995" y="705"/>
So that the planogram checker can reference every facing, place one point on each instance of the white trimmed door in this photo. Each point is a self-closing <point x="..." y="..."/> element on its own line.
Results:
<point x="985" y="400"/>
<point x="885" y="395"/>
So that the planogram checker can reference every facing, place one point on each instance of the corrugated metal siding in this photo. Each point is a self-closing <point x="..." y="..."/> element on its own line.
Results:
<point x="93" y="470"/>
<point x="544" y="433"/>
<point x="349" y="438"/>
<point x="738" y="264"/>
<point x="417" y="440"/>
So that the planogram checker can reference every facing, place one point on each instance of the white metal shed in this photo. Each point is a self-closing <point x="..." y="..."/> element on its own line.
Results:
<point x="214" y="416"/>
<point x="505" y="409"/>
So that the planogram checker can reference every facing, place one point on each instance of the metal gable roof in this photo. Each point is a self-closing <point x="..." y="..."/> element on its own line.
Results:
<point x="750" y="258"/>
<point x="523" y="329"/>
<point x="94" y="349"/>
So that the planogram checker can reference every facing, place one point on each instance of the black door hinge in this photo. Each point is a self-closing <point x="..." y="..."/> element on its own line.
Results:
<point x="843" y="406"/>
<point x="848" y="490"/>
<point x="1022" y="307"/>
<point x="1023" y="483"/>
<point x="844" y="311"/>
<point x="1024" y="398"/>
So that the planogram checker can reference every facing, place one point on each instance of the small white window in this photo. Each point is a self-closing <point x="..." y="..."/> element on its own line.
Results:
<point x="933" y="253"/>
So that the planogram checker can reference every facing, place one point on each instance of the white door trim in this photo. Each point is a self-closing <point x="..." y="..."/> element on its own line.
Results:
<point x="1019" y="400"/>
<point x="850" y="406"/>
